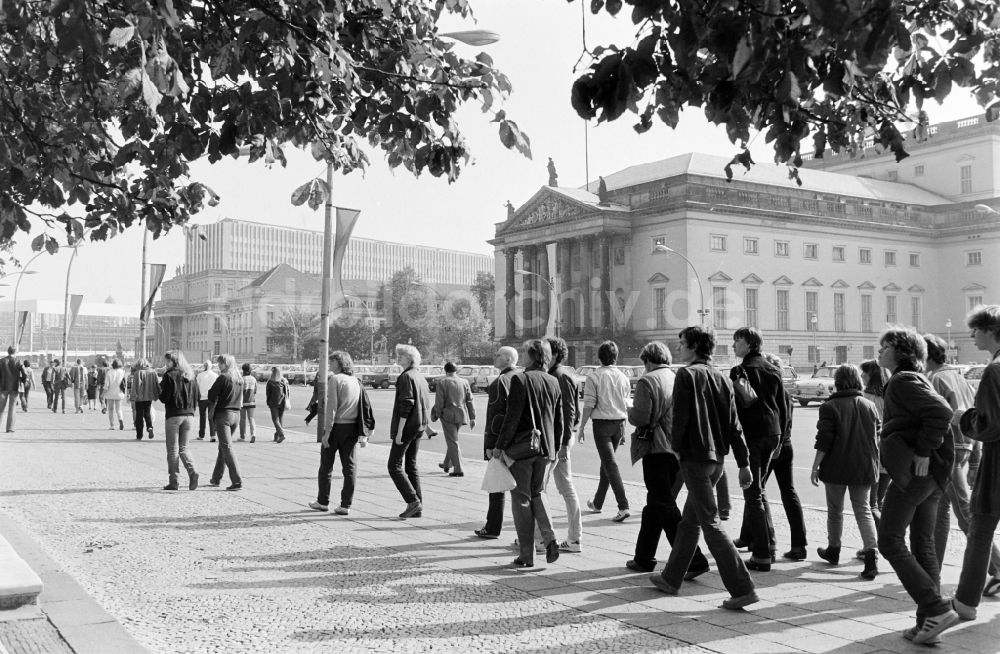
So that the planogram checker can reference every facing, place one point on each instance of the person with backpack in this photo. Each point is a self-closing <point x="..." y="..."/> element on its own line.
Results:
<point x="179" y="395"/>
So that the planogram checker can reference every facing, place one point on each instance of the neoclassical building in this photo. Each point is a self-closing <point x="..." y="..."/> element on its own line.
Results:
<point x="820" y="268"/>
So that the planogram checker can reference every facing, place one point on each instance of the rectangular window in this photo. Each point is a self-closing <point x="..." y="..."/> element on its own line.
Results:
<point x="838" y="312"/>
<point x="218" y="325"/>
<point x="217" y="289"/>
<point x="719" y="306"/>
<point x="975" y="301"/>
<point x="974" y="258"/>
<point x="810" y="251"/>
<point x="749" y="246"/>
<point x="893" y="176"/>
<point x="722" y="351"/>
<point x="660" y="307"/>
<point x="812" y="306"/>
<point x="965" y="174"/>
<point x="813" y="354"/>
<point x="838" y="252"/>
<point x="619" y="256"/>
<point x="751" y="307"/>
<point x="915" y="312"/>
<point x="782" y="306"/>
<point x="717" y="242"/>
<point x="890" y="258"/>
<point x="868" y="351"/>
<point x="659" y="240"/>
<point x="866" y="313"/>
<point x="781" y="248"/>
<point x="918" y="171"/>
<point x="864" y="255"/>
<point x="914" y="260"/>
<point x="891" y="316"/>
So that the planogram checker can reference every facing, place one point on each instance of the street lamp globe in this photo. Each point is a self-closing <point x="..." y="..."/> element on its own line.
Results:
<point x="473" y="37"/>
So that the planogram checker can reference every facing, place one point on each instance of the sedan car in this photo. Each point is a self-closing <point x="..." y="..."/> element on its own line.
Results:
<point x="379" y="376"/>
<point x="817" y="388"/>
<point x="633" y="373"/>
<point x="788" y="378"/>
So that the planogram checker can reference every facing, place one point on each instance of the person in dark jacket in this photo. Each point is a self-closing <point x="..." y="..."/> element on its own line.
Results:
<point x="496" y="409"/>
<point x="982" y="423"/>
<point x="562" y="469"/>
<point x="764" y="421"/>
<point x="179" y="395"/>
<point x="11" y="377"/>
<point x="704" y="427"/>
<point x="226" y="399"/>
<point x="847" y="462"/>
<point x="918" y="452"/>
<point x="533" y="409"/>
<point x="651" y="414"/>
<point x="277" y="393"/>
<point x="411" y="412"/>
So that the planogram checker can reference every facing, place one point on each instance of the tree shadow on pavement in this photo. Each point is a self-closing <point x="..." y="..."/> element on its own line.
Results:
<point x="73" y="491"/>
<point x="204" y="522"/>
<point x="80" y="441"/>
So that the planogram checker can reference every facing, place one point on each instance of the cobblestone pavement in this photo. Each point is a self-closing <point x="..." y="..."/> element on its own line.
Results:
<point x="256" y="571"/>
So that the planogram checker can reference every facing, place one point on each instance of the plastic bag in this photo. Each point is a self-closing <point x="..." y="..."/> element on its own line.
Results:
<point x="497" y="478"/>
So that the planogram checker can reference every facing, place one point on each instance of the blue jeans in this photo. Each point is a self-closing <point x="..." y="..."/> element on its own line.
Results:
<point x="957" y="498"/>
<point x="529" y="506"/>
<point x="977" y="558"/>
<point x="758" y="512"/>
<point x="177" y="430"/>
<point x="659" y="472"/>
<point x="701" y="514"/>
<point x="608" y="434"/>
<point x="914" y="507"/>
<point x="225" y="427"/>
<point x="403" y="469"/>
<point x="344" y="441"/>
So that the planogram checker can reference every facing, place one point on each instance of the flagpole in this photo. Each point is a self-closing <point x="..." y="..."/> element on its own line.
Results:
<point x="324" y="316"/>
<point x="141" y="350"/>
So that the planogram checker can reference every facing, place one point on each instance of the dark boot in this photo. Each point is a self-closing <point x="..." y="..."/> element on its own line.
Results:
<point x="871" y="565"/>
<point x="829" y="554"/>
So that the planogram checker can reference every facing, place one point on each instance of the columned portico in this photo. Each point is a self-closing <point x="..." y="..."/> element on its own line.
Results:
<point x="510" y="292"/>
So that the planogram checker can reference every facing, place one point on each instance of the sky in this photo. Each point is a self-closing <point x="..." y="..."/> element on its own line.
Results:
<point x="539" y="45"/>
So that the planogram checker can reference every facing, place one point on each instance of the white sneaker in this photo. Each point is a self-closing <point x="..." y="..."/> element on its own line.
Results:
<point x="573" y="547"/>
<point x="934" y="626"/>
<point x="910" y="633"/>
<point x="621" y="515"/>
<point x="319" y="507"/>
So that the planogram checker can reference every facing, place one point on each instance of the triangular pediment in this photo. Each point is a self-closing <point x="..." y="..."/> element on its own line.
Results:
<point x="916" y="288"/>
<point x="554" y="205"/>
<point x="658" y="278"/>
<point x="840" y="283"/>
<point x="892" y="287"/>
<point x="720" y="277"/>
<point x="812" y="281"/>
<point x="974" y="286"/>
<point x="752" y="279"/>
<point x="866" y="286"/>
<point x="783" y="281"/>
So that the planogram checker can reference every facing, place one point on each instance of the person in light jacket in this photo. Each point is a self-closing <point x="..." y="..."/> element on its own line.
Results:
<point x="248" y="423"/>
<point x="847" y="462"/>
<point x="114" y="393"/>
<point x="226" y="395"/>
<point x="562" y="469"/>
<point x="145" y="389"/>
<point x="27" y="384"/>
<point x="179" y="395"/>
<point x="533" y="404"/>
<point x="453" y="407"/>
<point x="411" y="411"/>
<point x="343" y="403"/>
<point x="651" y="443"/>
<point x="206" y="379"/>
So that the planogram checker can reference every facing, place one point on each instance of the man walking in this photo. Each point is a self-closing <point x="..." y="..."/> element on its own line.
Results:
<point x="453" y="407"/>
<point x="206" y="379"/>
<point x="60" y="382"/>
<point x="562" y="470"/>
<point x="763" y="419"/>
<point x="78" y="375"/>
<point x="605" y="400"/>
<point x="496" y="409"/>
<point x="704" y="428"/>
<point x="11" y="375"/>
<point x="48" y="378"/>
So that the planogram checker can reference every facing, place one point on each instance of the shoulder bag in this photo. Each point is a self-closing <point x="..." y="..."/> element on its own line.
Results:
<point x="525" y="448"/>
<point x="746" y="396"/>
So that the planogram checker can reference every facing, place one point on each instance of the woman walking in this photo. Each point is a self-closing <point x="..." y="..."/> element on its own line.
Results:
<point x="25" y="384"/>
<point x="226" y="395"/>
<point x="179" y="394"/>
<point x="145" y="389"/>
<point x="277" y="394"/>
<point x="847" y="461"/>
<point x="114" y="393"/>
<point x="92" y="388"/>
<point x="249" y="405"/>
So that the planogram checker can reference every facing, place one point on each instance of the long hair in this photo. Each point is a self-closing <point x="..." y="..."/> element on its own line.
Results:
<point x="229" y="362"/>
<point x="878" y="377"/>
<point x="180" y="362"/>
<point x="275" y="374"/>
<point x="343" y="360"/>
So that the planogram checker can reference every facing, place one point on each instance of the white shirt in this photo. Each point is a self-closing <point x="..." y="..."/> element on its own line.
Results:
<point x="205" y="379"/>
<point x="606" y="394"/>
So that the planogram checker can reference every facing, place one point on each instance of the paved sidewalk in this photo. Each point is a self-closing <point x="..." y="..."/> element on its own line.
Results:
<point x="256" y="571"/>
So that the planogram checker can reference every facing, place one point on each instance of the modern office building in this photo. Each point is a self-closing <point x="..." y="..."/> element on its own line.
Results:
<point x="99" y="328"/>
<point x="820" y="268"/>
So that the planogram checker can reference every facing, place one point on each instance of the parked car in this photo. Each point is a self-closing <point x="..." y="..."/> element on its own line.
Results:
<point x="788" y="378"/>
<point x="817" y="388"/>
<point x="378" y="377"/>
<point x="582" y="372"/>
<point x="633" y="373"/>
<point x="472" y="375"/>
<point x="974" y="374"/>
<point x="432" y="374"/>
<point x="485" y="375"/>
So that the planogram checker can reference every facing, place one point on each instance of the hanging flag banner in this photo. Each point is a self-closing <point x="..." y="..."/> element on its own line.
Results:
<point x="346" y="219"/>
<point x="156" y="273"/>
<point x="74" y="308"/>
<point x="22" y="320"/>
<point x="555" y="290"/>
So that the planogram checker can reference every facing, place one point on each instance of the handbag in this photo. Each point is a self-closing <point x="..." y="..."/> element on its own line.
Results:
<point x="497" y="478"/>
<point x="531" y="446"/>
<point x="746" y="396"/>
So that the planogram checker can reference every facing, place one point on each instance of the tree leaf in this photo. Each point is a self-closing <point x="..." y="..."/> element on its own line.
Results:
<point x="150" y="94"/>
<point x="301" y="194"/>
<point x="38" y="243"/>
<point x="744" y="53"/>
<point x="51" y="245"/>
<point x="120" y="36"/>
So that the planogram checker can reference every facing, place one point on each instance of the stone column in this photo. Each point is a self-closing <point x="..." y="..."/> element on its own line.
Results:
<point x="544" y="308"/>
<point x="586" y="290"/>
<point x="605" y="301"/>
<point x="528" y="286"/>
<point x="565" y="253"/>
<point x="510" y="292"/>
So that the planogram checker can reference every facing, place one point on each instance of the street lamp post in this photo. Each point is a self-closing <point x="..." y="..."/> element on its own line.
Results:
<point x="225" y="319"/>
<point x="17" y="284"/>
<point x="295" y="329"/>
<point x="951" y="345"/>
<point x="814" y="321"/>
<point x="553" y="300"/>
<point x="702" y="311"/>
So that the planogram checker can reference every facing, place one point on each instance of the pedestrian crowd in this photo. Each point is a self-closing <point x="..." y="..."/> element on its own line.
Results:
<point x="904" y="437"/>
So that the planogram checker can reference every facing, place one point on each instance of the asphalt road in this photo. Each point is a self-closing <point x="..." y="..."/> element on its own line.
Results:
<point x="585" y="459"/>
